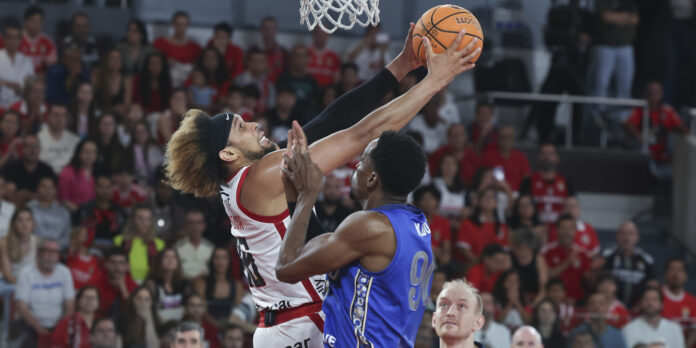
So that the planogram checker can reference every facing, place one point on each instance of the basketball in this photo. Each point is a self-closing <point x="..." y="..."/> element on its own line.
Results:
<point x="441" y="24"/>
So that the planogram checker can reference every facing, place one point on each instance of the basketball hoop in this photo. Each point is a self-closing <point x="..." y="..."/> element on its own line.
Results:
<point x="330" y="15"/>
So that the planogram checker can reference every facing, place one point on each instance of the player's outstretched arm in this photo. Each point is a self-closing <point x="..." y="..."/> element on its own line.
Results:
<point x="355" y="104"/>
<point x="339" y="148"/>
<point x="355" y="237"/>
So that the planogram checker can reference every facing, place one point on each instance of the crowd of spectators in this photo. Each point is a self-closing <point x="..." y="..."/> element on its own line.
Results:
<point x="104" y="254"/>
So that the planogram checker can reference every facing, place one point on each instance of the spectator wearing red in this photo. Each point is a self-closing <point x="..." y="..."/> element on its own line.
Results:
<point x="181" y="51"/>
<point x="10" y="141"/>
<point x="427" y="198"/>
<point x="567" y="315"/>
<point x="585" y="235"/>
<point x="114" y="283"/>
<point x="165" y="123"/>
<point x="74" y="330"/>
<point x="663" y="121"/>
<point x="483" y="132"/>
<point x="457" y="146"/>
<point x="510" y="301"/>
<point x="679" y="305"/>
<point x="153" y="84"/>
<point x="494" y="261"/>
<point x="84" y="266"/>
<point x="617" y="314"/>
<point x="32" y="109"/>
<point x="482" y="228"/>
<point x="35" y="44"/>
<point x="566" y="260"/>
<point x="525" y="215"/>
<point x="530" y="264"/>
<point x="126" y="192"/>
<point x="324" y="64"/>
<point x="76" y="180"/>
<point x="513" y="163"/>
<point x="233" y="54"/>
<point x="548" y="187"/>
<point x="195" y="311"/>
<point x="276" y="55"/>
<point x="102" y="218"/>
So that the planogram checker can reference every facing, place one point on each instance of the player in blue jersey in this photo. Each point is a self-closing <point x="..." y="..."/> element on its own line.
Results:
<point x="379" y="261"/>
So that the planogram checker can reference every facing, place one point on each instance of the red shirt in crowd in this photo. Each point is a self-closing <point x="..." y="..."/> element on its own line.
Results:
<point x="323" y="65"/>
<point x="585" y="237"/>
<point x="211" y="336"/>
<point x="662" y="122"/>
<point x="108" y="293"/>
<point x="276" y="57"/>
<point x="128" y="199"/>
<point x="568" y="317"/>
<point x="71" y="332"/>
<point x="467" y="164"/>
<point x="515" y="166"/>
<point x="154" y="103"/>
<point x="439" y="230"/>
<point x="572" y="277"/>
<point x="41" y="50"/>
<point x="680" y="308"/>
<point x="549" y="196"/>
<point x="475" y="237"/>
<point x="482" y="280"/>
<point x="617" y="314"/>
<point x="234" y="59"/>
<point x="23" y="109"/>
<point x="186" y="53"/>
<point x="491" y="140"/>
<point x="85" y="270"/>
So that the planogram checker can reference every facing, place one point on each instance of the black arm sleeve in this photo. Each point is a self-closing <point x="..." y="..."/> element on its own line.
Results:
<point x="350" y="108"/>
<point x="314" y="228"/>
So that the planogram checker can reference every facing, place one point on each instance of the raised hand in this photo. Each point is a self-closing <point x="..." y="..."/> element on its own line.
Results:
<point x="299" y="171"/>
<point x="445" y="66"/>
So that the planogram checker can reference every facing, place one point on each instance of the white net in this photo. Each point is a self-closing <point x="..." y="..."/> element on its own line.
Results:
<point x="330" y="15"/>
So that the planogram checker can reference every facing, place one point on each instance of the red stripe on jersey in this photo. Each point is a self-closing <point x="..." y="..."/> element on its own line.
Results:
<point x="318" y="321"/>
<point x="260" y="218"/>
<point x="280" y="227"/>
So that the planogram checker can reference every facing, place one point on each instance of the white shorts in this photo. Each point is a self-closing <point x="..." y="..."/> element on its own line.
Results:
<point x="303" y="332"/>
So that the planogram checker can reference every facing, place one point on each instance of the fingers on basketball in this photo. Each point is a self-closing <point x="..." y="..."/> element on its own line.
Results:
<point x="442" y="25"/>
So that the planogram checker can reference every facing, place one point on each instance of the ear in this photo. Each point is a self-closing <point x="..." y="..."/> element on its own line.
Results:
<point x="432" y="321"/>
<point x="372" y="181"/>
<point x="228" y="154"/>
<point x="478" y="324"/>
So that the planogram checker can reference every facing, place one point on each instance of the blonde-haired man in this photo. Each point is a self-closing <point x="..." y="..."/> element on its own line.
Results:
<point x="458" y="315"/>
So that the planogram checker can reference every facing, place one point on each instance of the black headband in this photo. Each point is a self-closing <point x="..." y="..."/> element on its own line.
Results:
<point x="219" y="127"/>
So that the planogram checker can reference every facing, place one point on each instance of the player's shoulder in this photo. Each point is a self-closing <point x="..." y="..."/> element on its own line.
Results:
<point x="366" y="224"/>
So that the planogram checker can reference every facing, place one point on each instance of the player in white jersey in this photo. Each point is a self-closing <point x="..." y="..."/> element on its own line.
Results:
<point x="226" y="155"/>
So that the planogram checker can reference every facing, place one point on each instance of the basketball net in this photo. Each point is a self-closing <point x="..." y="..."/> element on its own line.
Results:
<point x="330" y="15"/>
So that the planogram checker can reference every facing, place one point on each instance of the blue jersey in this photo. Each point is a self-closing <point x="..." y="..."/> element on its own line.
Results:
<point x="383" y="309"/>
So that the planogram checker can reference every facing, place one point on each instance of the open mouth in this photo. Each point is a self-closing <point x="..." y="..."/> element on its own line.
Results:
<point x="263" y="140"/>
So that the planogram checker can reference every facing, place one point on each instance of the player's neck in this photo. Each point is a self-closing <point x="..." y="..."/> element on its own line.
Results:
<point x="381" y="199"/>
<point x="454" y="343"/>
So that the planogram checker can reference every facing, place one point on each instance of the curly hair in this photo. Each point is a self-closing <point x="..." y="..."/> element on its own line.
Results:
<point x="190" y="166"/>
<point x="399" y="161"/>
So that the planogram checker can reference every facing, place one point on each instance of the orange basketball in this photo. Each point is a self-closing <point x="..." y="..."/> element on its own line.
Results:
<point x="441" y="24"/>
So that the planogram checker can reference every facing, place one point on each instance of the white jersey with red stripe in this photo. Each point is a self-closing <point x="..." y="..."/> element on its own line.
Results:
<point x="258" y="245"/>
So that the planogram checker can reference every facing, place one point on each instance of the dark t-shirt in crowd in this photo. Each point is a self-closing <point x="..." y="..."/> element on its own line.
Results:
<point x="611" y="34"/>
<point x="305" y="87"/>
<point x="331" y="222"/>
<point x="17" y="173"/>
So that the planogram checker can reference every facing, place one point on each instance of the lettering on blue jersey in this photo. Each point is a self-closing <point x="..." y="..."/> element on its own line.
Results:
<point x="422" y="229"/>
<point x="421" y="272"/>
<point x="359" y="306"/>
<point x="329" y="340"/>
